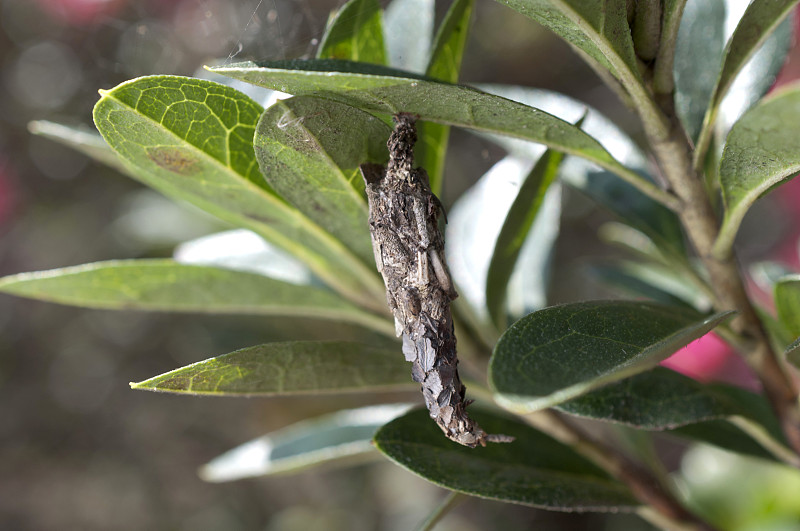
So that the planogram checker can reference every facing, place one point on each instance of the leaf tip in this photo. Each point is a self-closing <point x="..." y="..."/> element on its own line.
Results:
<point x="103" y="92"/>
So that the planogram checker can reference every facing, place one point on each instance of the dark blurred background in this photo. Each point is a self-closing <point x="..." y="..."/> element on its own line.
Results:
<point x="78" y="448"/>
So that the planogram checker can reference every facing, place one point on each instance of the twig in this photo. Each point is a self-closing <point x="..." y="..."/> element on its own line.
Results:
<point x="664" y="507"/>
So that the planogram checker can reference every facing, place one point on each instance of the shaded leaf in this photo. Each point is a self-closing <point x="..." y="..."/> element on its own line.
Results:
<point x="698" y="56"/>
<point x="787" y="303"/>
<point x="761" y="152"/>
<point x="192" y="139"/>
<point x="344" y="436"/>
<point x="408" y="33"/>
<point x="355" y="33"/>
<point x="661" y="399"/>
<point x="534" y="470"/>
<point x="514" y="232"/>
<point x="163" y="285"/>
<point x="657" y="282"/>
<point x="292" y="367"/>
<point x="309" y="151"/>
<point x="597" y="27"/>
<point x="627" y="202"/>
<point x="386" y="91"/>
<point x="444" y="65"/>
<point x="559" y="353"/>
<point x="724" y="435"/>
<point x="475" y="221"/>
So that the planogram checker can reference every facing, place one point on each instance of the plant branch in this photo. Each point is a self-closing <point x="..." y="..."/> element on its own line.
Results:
<point x="671" y="514"/>
<point x="450" y="502"/>
<point x="673" y="154"/>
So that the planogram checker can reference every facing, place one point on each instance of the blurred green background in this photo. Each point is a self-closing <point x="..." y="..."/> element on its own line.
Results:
<point x="78" y="448"/>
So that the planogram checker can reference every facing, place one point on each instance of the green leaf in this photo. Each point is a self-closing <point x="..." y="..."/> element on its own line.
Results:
<point x="760" y="153"/>
<point x="163" y="285"/>
<point x="661" y="399"/>
<point x="355" y="33"/>
<point x="787" y="303"/>
<point x="698" y="54"/>
<point x="386" y="91"/>
<point x="516" y="227"/>
<point x="760" y="19"/>
<point x="621" y="198"/>
<point x="408" y="32"/>
<point x="341" y="437"/>
<point x="599" y="28"/>
<point x="534" y="470"/>
<point x="192" y="139"/>
<point x="654" y="281"/>
<point x="309" y="150"/>
<point x="292" y="367"/>
<point x="724" y="435"/>
<point x="79" y="138"/>
<point x="793" y="353"/>
<point x="444" y="65"/>
<point x="475" y="222"/>
<point x="560" y="353"/>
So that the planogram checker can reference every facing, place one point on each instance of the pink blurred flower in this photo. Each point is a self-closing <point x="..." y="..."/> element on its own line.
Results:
<point x="80" y="12"/>
<point x="711" y="359"/>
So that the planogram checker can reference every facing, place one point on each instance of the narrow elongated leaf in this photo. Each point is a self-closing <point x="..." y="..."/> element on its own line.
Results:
<point x="383" y="90"/>
<point x="654" y="281"/>
<point x="599" y="28"/>
<point x="787" y="303"/>
<point x="758" y="22"/>
<point x="760" y="153"/>
<point x="560" y="353"/>
<point x="724" y="435"/>
<point x="476" y="220"/>
<point x="698" y="55"/>
<point x="192" y="139"/>
<point x="408" y="33"/>
<point x="661" y="399"/>
<point x="534" y="470"/>
<point x="164" y="285"/>
<point x="309" y="150"/>
<point x="79" y="138"/>
<point x="793" y="353"/>
<point x="355" y="33"/>
<point x="344" y="436"/>
<point x="444" y="65"/>
<point x="291" y="367"/>
<point x="624" y="200"/>
<point x="518" y="223"/>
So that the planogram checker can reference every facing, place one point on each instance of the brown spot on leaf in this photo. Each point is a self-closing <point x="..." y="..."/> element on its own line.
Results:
<point x="173" y="159"/>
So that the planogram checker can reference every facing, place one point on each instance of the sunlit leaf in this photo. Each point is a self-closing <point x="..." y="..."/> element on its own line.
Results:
<point x="787" y="303"/>
<point x="192" y="139"/>
<point x="386" y="91"/>
<point x="761" y="152"/>
<point x="309" y="151"/>
<point x="534" y="470"/>
<point x="287" y="368"/>
<point x="560" y="353"/>
<point x="341" y="437"/>
<point x="355" y="33"/>
<point x="163" y="285"/>
<point x="444" y="65"/>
